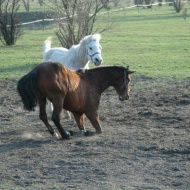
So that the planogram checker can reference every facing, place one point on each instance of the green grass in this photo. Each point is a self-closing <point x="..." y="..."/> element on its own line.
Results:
<point x="151" y="44"/>
<point x="154" y="43"/>
<point x="18" y="59"/>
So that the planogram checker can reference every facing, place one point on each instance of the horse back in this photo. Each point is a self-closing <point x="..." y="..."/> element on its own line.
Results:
<point x="53" y="79"/>
<point x="56" y="54"/>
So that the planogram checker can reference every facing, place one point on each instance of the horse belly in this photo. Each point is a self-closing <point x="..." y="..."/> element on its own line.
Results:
<point x="74" y="102"/>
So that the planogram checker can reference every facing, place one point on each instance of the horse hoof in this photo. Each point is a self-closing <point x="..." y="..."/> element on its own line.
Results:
<point x="71" y="133"/>
<point x="88" y="133"/>
<point x="66" y="135"/>
<point x="80" y="133"/>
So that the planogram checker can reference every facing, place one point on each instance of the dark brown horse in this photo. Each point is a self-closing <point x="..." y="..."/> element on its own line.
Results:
<point x="76" y="91"/>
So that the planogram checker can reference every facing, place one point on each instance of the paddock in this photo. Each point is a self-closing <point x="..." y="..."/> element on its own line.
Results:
<point x="145" y="143"/>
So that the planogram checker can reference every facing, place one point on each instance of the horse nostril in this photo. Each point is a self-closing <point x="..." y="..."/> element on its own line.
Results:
<point x="96" y="59"/>
<point x="127" y="97"/>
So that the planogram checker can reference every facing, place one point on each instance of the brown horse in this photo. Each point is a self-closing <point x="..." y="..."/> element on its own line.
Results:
<point x="76" y="91"/>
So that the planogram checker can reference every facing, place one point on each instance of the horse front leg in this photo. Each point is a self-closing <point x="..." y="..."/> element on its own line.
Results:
<point x="43" y="116"/>
<point x="79" y="118"/>
<point x="58" y="106"/>
<point x="94" y="119"/>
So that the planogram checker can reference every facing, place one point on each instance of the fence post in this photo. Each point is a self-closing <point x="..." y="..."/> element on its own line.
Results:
<point x="43" y="24"/>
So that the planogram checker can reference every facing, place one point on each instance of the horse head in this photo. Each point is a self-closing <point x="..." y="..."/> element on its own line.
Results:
<point x="123" y="88"/>
<point x="94" y="49"/>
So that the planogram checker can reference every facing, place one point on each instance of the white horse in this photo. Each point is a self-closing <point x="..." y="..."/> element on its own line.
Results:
<point x="78" y="56"/>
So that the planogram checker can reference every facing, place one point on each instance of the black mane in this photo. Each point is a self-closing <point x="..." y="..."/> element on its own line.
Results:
<point x="85" y="73"/>
<point x="82" y="72"/>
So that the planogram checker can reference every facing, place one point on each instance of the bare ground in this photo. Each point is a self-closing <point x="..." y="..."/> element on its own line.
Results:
<point x="145" y="144"/>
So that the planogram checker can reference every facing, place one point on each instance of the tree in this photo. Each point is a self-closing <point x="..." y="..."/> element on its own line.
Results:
<point x="9" y="22"/>
<point x="178" y="5"/>
<point x="26" y="4"/>
<point x="76" y="19"/>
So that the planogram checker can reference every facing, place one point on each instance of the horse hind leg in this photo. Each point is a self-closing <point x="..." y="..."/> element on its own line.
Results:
<point x="43" y="116"/>
<point x="58" y="106"/>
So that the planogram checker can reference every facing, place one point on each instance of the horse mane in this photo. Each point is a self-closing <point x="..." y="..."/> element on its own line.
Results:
<point x="90" y="38"/>
<point x="82" y="72"/>
<point x="86" y="72"/>
<point x="80" y="49"/>
<point x="106" y="67"/>
<point x="87" y="40"/>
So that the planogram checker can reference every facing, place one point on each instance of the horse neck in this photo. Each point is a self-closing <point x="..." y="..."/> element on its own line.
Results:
<point x="104" y="78"/>
<point x="82" y="59"/>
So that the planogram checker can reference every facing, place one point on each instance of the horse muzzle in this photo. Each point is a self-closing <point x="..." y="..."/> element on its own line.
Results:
<point x="122" y="98"/>
<point x="98" y="62"/>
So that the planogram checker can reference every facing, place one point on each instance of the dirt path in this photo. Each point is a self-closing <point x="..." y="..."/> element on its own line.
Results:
<point x="145" y="144"/>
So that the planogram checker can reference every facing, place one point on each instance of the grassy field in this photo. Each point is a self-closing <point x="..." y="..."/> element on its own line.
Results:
<point x="153" y="42"/>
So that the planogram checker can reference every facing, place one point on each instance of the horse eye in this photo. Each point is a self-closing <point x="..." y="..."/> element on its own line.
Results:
<point x="90" y="48"/>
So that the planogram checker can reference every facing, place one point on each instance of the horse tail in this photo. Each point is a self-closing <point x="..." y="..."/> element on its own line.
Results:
<point x="27" y="89"/>
<point x="46" y="47"/>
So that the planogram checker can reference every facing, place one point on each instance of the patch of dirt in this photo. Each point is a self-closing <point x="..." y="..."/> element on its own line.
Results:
<point x="145" y="144"/>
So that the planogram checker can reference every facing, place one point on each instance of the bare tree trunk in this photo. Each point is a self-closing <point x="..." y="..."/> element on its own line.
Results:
<point x="9" y="22"/>
<point x="26" y="4"/>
